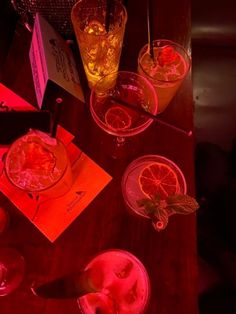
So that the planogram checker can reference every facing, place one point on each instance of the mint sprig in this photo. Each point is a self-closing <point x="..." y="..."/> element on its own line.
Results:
<point x="159" y="210"/>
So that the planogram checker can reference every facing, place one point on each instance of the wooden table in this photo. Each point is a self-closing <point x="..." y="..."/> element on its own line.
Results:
<point x="169" y="256"/>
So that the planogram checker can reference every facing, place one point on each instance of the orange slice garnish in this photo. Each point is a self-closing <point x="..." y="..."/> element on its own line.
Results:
<point x="158" y="179"/>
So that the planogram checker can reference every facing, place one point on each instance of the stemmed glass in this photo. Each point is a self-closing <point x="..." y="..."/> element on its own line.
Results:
<point x="39" y="165"/>
<point x="152" y="178"/>
<point x="111" y="115"/>
<point x="12" y="267"/>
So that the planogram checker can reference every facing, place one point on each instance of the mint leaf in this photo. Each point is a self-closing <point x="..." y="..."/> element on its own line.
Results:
<point x="149" y="205"/>
<point x="181" y="204"/>
<point x="159" y="210"/>
<point x="157" y="198"/>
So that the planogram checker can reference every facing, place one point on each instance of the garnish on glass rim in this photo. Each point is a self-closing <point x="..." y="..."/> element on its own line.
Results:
<point x="159" y="210"/>
<point x="166" y="56"/>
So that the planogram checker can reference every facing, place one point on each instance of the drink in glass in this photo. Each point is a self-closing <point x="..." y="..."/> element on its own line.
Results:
<point x="166" y="71"/>
<point x="39" y="165"/>
<point x="123" y="282"/>
<point x="99" y="36"/>
<point x="111" y="115"/>
<point x="150" y="177"/>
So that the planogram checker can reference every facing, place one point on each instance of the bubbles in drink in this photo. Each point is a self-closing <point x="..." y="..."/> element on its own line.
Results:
<point x="101" y="51"/>
<point x="168" y="64"/>
<point x="95" y="28"/>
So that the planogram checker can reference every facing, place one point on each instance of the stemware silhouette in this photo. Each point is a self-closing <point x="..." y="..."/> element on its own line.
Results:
<point x="114" y="118"/>
<point x="12" y="268"/>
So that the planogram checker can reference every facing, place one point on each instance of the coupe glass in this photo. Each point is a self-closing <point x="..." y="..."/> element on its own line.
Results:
<point x="12" y="267"/>
<point x="39" y="165"/>
<point x="124" y="284"/>
<point x="111" y="115"/>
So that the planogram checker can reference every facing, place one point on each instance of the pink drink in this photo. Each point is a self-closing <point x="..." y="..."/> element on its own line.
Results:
<point x="124" y="283"/>
<point x="37" y="162"/>
<point x="166" y="71"/>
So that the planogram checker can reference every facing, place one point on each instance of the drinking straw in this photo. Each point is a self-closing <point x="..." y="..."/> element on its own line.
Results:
<point x="149" y="115"/>
<point x="150" y="27"/>
<point x="56" y="116"/>
<point x="108" y="13"/>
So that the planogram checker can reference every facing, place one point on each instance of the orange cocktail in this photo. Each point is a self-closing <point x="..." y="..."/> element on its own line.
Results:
<point x="166" y="71"/>
<point x="99" y="42"/>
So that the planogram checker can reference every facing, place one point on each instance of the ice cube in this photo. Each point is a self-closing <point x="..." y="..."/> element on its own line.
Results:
<point x="98" y="303"/>
<point x="132" y="294"/>
<point x="123" y="270"/>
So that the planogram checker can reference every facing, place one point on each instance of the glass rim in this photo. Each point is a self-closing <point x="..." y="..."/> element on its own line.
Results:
<point x="145" y="48"/>
<point x="129" y="131"/>
<point x="114" y="31"/>
<point x="34" y="190"/>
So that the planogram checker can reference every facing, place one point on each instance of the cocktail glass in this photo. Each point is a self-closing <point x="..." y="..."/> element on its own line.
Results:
<point x="124" y="284"/>
<point x="39" y="165"/>
<point x="112" y="116"/>
<point x="12" y="268"/>
<point x="152" y="178"/>
<point x="166" y="71"/>
<point x="99" y="36"/>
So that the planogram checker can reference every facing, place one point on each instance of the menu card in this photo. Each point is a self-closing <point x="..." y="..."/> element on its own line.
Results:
<point x="52" y="63"/>
<point x="53" y="215"/>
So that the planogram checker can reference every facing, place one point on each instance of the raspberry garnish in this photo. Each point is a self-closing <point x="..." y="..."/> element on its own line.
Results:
<point x="167" y="55"/>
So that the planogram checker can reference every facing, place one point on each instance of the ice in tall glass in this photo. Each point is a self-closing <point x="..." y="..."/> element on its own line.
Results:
<point x="166" y="70"/>
<point x="99" y="36"/>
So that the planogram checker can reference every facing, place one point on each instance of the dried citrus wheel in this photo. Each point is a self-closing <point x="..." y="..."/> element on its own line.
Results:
<point x="158" y="179"/>
<point x="117" y="118"/>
